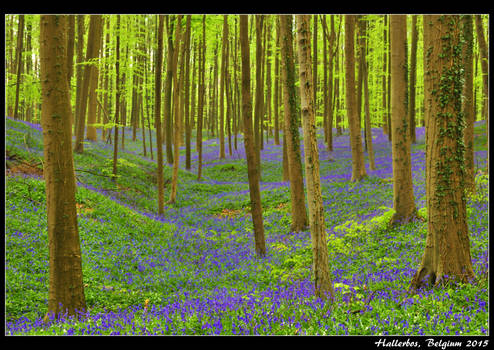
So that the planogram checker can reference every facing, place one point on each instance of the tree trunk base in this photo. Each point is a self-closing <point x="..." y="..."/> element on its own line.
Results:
<point x="398" y="219"/>
<point x="298" y="228"/>
<point x="428" y="276"/>
<point x="358" y="178"/>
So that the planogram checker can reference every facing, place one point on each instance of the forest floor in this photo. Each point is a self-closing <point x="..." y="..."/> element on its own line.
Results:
<point x="194" y="269"/>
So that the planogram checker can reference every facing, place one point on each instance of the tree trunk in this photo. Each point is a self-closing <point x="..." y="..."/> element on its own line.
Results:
<point x="221" y="97"/>
<point x="134" y="109"/>
<point x="322" y="277"/>
<point x="177" y="83"/>
<point x="194" y="87"/>
<point x="79" y="69"/>
<point x="20" y="43"/>
<point x="388" y="86"/>
<point x="70" y="47"/>
<point x="447" y="247"/>
<point x="236" y="89"/>
<point x="10" y="69"/>
<point x="467" y="107"/>
<point x="157" y="117"/>
<point x="147" y="109"/>
<point x="276" y="85"/>
<point x="93" y="84"/>
<point x="285" y="174"/>
<point x="262" y="116"/>
<point x="143" y="126"/>
<point x="314" y="62"/>
<point x="29" y="103"/>
<point x="200" y="97"/>
<point x="336" y="94"/>
<point x="268" y="104"/>
<point x="117" y="99"/>
<point x="95" y="28"/>
<point x="295" y="174"/>
<point x="229" y="102"/>
<point x="259" y="91"/>
<point x="328" y="81"/>
<point x="413" y="79"/>
<point x="358" y="166"/>
<point x="187" y="104"/>
<point x="384" y="76"/>
<point x="213" y="109"/>
<point x="360" y="57"/>
<point x="106" y="102"/>
<point x="66" y="290"/>
<point x="485" y="77"/>
<point x="123" y="103"/>
<point x="252" y="169"/>
<point x="167" y="131"/>
<point x="403" y="199"/>
<point x="365" y="79"/>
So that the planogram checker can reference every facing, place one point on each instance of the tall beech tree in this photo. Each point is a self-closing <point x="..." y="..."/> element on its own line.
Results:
<point x="385" y="97"/>
<point x="230" y="111"/>
<point x="291" y="133"/>
<point x="484" y="63"/>
<point x="388" y="85"/>
<point x="224" y="53"/>
<point x="201" y="97"/>
<point x="10" y="64"/>
<point x="106" y="99"/>
<point x="259" y="91"/>
<point x="93" y="83"/>
<point x="95" y="28"/>
<point x="360" y="59"/>
<point x="320" y="265"/>
<point x="276" y="85"/>
<point x="186" y="91"/>
<point x="213" y="105"/>
<point x="314" y="61"/>
<point x="118" y="93"/>
<point x="447" y="246"/>
<point x="79" y="69"/>
<point x="337" y="88"/>
<point x="358" y="166"/>
<point x="157" y="116"/>
<point x="167" y="112"/>
<point x="403" y="199"/>
<point x="65" y="289"/>
<point x="412" y="80"/>
<point x="70" y="47"/>
<point x="365" y="87"/>
<point x="268" y="103"/>
<point x="236" y="86"/>
<point x="263" y="94"/>
<point x="177" y="87"/>
<point x="252" y="168"/>
<point x="28" y="100"/>
<point x="467" y="106"/>
<point x="19" y="50"/>
<point x="329" y="91"/>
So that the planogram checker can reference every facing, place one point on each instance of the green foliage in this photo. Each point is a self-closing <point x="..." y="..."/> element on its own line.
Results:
<point x="106" y="126"/>
<point x="422" y="212"/>
<point x="294" y="267"/>
<point x="353" y="229"/>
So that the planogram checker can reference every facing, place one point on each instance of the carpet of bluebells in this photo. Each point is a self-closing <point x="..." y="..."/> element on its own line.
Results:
<point x="194" y="269"/>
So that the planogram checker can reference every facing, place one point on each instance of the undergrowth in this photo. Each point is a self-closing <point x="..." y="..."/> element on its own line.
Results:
<point x="193" y="270"/>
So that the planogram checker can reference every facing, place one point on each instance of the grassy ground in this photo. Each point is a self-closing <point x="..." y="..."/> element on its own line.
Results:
<point x="194" y="270"/>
